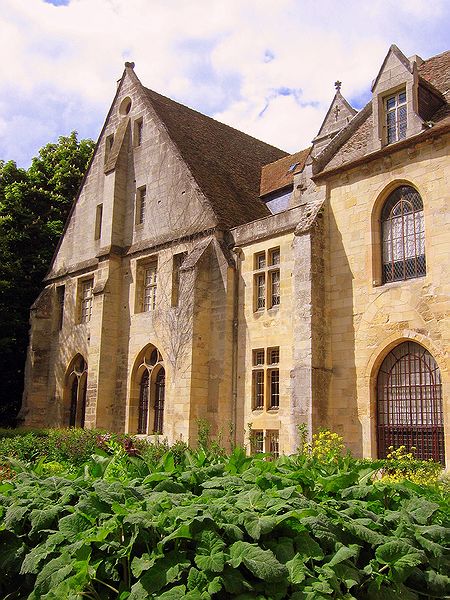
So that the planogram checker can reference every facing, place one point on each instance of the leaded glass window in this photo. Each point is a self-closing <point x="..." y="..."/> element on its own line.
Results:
<point x="149" y="297"/>
<point x="87" y="288"/>
<point x="396" y="117"/>
<point x="403" y="235"/>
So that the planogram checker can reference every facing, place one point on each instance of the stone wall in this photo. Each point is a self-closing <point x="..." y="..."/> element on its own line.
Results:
<point x="367" y="318"/>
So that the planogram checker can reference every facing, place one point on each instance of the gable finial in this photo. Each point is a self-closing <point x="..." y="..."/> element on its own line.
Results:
<point x="337" y="85"/>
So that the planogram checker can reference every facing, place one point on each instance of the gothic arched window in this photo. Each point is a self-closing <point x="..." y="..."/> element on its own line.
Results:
<point x="151" y="378"/>
<point x="403" y="235"/>
<point x="77" y="387"/>
<point x="144" y="391"/>
<point x="409" y="403"/>
<point x="160" y="387"/>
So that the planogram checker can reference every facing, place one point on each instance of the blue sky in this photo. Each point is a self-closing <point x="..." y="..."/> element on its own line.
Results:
<point x="264" y="66"/>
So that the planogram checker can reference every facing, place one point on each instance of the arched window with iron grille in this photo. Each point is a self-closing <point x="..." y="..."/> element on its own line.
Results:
<point x="403" y="235"/>
<point x="409" y="403"/>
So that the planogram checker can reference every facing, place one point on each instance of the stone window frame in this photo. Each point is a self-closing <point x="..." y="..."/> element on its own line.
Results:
<point x="376" y="247"/>
<point x="85" y="301"/>
<point x="60" y="302"/>
<point x="413" y="425"/>
<point x="265" y="441"/>
<point x="177" y="262"/>
<point x="138" y="130"/>
<point x="399" y="123"/>
<point x="109" y="143"/>
<point x="140" y="206"/>
<point x="257" y="441"/>
<point x="272" y="441"/>
<point x="142" y="267"/>
<point x="142" y="416"/>
<point x="266" y="279"/>
<point x="98" y="221"/>
<point x="266" y="379"/>
<point x="75" y="392"/>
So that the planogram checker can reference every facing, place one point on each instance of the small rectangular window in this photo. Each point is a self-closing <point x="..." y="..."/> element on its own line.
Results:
<point x="260" y="284"/>
<point x="273" y="443"/>
<point x="260" y="260"/>
<point x="274" y="257"/>
<point x="140" y="205"/>
<point x="98" y="221"/>
<point x="86" y="298"/>
<point x="396" y="117"/>
<point x="60" y="294"/>
<point x="266" y="284"/>
<point x="274" y="383"/>
<point x="257" y="441"/>
<point x="258" y="357"/>
<point x="258" y="390"/>
<point x="178" y="260"/>
<point x="275" y="288"/>
<point x="273" y="356"/>
<point x="138" y="131"/>
<point x="149" y="294"/>
<point x="109" y="142"/>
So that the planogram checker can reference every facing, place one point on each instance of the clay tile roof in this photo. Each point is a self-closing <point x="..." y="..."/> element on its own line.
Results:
<point x="225" y="162"/>
<point x="280" y="174"/>
<point x="436" y="70"/>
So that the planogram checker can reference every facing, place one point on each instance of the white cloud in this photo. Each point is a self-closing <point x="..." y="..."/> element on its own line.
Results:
<point x="227" y="58"/>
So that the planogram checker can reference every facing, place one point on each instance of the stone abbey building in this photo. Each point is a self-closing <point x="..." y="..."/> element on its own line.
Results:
<point x="205" y="274"/>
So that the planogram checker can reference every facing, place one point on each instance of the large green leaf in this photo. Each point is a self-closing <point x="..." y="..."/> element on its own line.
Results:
<point x="14" y="516"/>
<point x="43" y="518"/>
<point x="401" y="558"/>
<point x="141" y="564"/>
<point x="262" y="563"/>
<point x="338" y="481"/>
<point x="197" y="579"/>
<point x="420" y="509"/>
<point x="176" y="593"/>
<point x="257" y="525"/>
<point x="297" y="569"/>
<point x="437" y="584"/>
<point x="307" y="546"/>
<point x="165" y="570"/>
<point x="73" y="525"/>
<point x="363" y="533"/>
<point x="213" y="562"/>
<point x="344" y="553"/>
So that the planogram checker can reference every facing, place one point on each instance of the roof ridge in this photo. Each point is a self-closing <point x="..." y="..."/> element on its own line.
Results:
<point x="221" y="123"/>
<point x="434" y="56"/>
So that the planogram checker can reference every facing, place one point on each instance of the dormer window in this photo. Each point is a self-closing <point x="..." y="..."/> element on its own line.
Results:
<point x="396" y="120"/>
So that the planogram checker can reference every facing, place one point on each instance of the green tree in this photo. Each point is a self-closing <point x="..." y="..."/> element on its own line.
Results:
<point x="34" y="205"/>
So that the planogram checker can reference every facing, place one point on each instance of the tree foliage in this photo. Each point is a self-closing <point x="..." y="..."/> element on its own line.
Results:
<point x="34" y="205"/>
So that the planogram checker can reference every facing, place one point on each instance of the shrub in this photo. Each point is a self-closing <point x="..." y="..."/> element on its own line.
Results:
<point x="401" y="465"/>
<point x="25" y="446"/>
<point x="193" y="527"/>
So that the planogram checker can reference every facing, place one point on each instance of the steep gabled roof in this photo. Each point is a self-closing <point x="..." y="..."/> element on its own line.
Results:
<point x="225" y="162"/>
<point x="436" y="70"/>
<point x="353" y="143"/>
<point x="280" y="174"/>
<point x="393" y="51"/>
